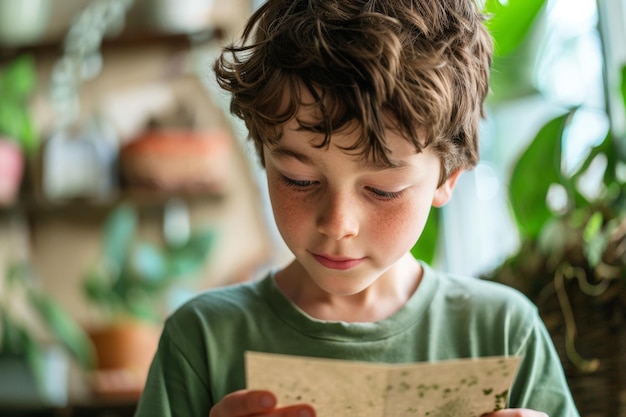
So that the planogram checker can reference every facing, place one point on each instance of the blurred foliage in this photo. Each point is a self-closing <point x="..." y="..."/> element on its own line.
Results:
<point x="426" y="247"/>
<point x="579" y="238"/>
<point x="131" y="276"/>
<point x="19" y="336"/>
<point x="510" y="24"/>
<point x="17" y="83"/>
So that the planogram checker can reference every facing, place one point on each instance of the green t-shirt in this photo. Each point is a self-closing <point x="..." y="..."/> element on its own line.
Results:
<point x="200" y="357"/>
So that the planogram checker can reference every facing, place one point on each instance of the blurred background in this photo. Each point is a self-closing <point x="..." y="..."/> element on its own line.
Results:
<point x="126" y="188"/>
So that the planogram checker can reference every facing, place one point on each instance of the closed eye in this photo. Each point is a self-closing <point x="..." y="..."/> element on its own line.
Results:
<point x="384" y="195"/>
<point x="297" y="184"/>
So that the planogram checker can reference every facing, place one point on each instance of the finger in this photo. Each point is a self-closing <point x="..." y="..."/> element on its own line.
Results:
<point x="300" y="410"/>
<point x="516" y="412"/>
<point x="244" y="403"/>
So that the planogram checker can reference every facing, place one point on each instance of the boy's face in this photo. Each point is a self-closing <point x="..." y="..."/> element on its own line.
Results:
<point x="349" y="222"/>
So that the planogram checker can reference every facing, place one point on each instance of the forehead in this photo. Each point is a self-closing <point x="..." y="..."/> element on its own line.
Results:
<point x="300" y="143"/>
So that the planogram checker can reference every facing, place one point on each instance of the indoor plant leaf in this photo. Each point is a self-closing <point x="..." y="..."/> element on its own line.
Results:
<point x="131" y="276"/>
<point x="34" y="355"/>
<point x="63" y="328"/>
<point x="606" y="148"/>
<point x="10" y="118"/>
<point x="16" y="84"/>
<point x="119" y="231"/>
<point x="594" y="240"/>
<point x="97" y="286"/>
<point x="19" y="342"/>
<point x="147" y="263"/>
<point x="512" y="71"/>
<point x="12" y="338"/>
<point x="426" y="247"/>
<point x="188" y="258"/>
<point x="19" y="78"/>
<point x="536" y="170"/>
<point x="510" y="22"/>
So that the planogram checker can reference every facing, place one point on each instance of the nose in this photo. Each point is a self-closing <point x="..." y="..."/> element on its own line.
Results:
<point x="338" y="216"/>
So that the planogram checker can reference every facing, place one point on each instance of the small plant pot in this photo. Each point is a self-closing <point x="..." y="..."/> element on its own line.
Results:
<point x="124" y="352"/>
<point x="11" y="171"/>
<point x="172" y="160"/>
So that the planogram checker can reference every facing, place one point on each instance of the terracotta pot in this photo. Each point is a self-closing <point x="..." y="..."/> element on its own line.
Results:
<point x="124" y="352"/>
<point x="178" y="160"/>
<point x="11" y="171"/>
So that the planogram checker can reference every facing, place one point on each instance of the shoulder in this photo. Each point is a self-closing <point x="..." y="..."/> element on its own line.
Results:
<point x="493" y="312"/>
<point x="231" y="304"/>
<point x="223" y="299"/>
<point x="483" y="294"/>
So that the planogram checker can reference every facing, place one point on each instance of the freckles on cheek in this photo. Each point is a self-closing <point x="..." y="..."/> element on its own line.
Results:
<point x="287" y="214"/>
<point x="400" y="227"/>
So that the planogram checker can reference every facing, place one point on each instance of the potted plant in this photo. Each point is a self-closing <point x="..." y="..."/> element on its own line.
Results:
<point x="128" y="283"/>
<point x="33" y="327"/>
<point x="572" y="259"/>
<point x="17" y="136"/>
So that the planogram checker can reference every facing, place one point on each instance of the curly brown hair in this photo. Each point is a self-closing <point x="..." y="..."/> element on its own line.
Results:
<point x="420" y="67"/>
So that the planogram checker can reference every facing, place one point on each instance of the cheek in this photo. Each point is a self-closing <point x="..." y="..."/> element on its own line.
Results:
<point x="289" y="213"/>
<point x="400" y="227"/>
<point x="286" y="212"/>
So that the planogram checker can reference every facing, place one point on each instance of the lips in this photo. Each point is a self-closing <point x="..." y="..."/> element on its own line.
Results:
<point x="338" y="263"/>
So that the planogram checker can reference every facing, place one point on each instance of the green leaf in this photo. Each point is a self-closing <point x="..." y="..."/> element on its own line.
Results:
<point x="510" y="22"/>
<point x="609" y="149"/>
<point x="16" y="84"/>
<point x="594" y="248"/>
<point x="191" y="257"/>
<point x="17" y="340"/>
<point x="19" y="273"/>
<point x="28" y="137"/>
<point x="593" y="227"/>
<point x="119" y="231"/>
<point x="141" y="304"/>
<point x="426" y="247"/>
<point x="97" y="285"/>
<point x="19" y="78"/>
<point x="198" y="245"/>
<point x="147" y="263"/>
<point x="12" y="335"/>
<point x="64" y="329"/>
<point x="34" y="354"/>
<point x="536" y="170"/>
<point x="12" y="118"/>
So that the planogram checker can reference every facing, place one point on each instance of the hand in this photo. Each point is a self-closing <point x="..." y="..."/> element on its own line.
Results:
<point x="247" y="403"/>
<point x="516" y="412"/>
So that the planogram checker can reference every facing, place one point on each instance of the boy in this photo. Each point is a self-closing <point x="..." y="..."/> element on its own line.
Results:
<point x="364" y="114"/>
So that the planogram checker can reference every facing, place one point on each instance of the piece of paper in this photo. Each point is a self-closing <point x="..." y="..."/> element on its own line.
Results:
<point x="341" y="388"/>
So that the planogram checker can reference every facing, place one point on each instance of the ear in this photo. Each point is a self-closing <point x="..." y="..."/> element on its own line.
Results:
<point x="444" y="192"/>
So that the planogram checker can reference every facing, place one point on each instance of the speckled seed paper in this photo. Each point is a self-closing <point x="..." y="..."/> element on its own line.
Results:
<point x="339" y="388"/>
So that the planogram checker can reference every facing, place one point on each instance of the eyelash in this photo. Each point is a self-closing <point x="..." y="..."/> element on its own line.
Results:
<point x="385" y="195"/>
<point x="300" y="185"/>
<point x="305" y="184"/>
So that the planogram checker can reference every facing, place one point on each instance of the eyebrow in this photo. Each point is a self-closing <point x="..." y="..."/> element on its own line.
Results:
<point x="364" y="165"/>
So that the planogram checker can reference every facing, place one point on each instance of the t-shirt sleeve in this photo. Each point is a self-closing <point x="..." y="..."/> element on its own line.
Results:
<point x="175" y="385"/>
<point x="540" y="383"/>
